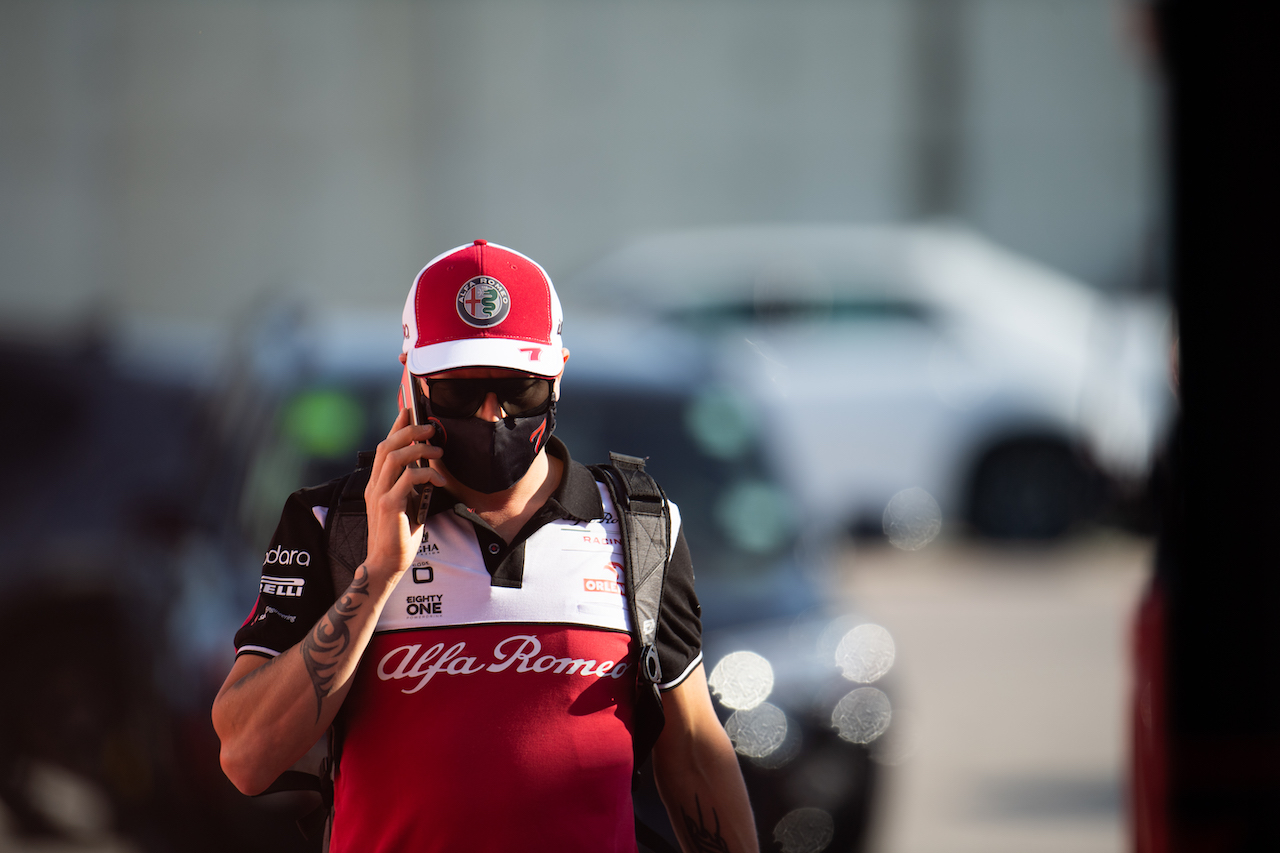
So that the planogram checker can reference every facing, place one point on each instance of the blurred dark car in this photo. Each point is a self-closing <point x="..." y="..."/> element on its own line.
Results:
<point x="118" y="544"/>
<point x="806" y="747"/>
<point x="140" y="497"/>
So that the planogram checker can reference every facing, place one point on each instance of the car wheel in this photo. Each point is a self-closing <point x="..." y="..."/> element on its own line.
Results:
<point x="1030" y="488"/>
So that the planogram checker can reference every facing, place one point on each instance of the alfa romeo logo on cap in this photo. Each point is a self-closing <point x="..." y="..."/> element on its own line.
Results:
<point x="483" y="302"/>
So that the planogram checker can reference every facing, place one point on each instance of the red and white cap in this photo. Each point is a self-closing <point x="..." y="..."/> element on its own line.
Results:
<point x="483" y="305"/>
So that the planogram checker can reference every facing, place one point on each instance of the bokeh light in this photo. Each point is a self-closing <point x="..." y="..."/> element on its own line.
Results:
<point x="805" y="831"/>
<point x="742" y="680"/>
<point x="720" y="422"/>
<point x="325" y="423"/>
<point x="865" y="654"/>
<point x="755" y="515"/>
<point x="786" y="751"/>
<point x="863" y="715"/>
<point x="758" y="731"/>
<point x="912" y="519"/>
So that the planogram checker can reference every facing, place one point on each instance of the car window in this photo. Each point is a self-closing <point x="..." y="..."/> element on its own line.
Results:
<point x="783" y="310"/>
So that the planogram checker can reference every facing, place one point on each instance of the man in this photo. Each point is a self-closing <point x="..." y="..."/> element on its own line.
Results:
<point x="479" y="670"/>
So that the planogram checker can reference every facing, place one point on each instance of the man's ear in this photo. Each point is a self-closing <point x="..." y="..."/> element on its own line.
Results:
<point x="404" y="358"/>
<point x="564" y="352"/>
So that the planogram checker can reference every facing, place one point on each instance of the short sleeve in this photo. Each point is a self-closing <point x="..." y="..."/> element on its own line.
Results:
<point x="680" y="621"/>
<point x="296" y="587"/>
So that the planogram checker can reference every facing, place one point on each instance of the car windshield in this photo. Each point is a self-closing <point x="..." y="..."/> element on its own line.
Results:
<point x="704" y="452"/>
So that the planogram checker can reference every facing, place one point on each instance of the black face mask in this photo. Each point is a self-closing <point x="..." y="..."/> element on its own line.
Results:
<point x="492" y="457"/>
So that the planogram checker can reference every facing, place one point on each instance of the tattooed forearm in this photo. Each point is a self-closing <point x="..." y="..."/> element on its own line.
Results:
<point x="704" y="840"/>
<point x="323" y="648"/>
<point x="254" y="673"/>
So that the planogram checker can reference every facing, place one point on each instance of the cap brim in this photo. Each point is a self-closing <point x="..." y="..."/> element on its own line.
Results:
<point x="526" y="356"/>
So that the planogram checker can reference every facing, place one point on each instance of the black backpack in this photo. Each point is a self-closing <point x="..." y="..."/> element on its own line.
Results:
<point x="645" y="522"/>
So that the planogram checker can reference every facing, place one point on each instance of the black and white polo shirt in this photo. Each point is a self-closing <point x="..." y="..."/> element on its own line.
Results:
<point x="494" y="702"/>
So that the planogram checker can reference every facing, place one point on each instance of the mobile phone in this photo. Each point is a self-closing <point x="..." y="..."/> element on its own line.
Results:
<point x="421" y="497"/>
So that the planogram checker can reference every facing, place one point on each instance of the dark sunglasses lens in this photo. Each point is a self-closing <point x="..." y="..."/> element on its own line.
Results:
<point x="461" y="398"/>
<point x="524" y="396"/>
<point x="456" y="398"/>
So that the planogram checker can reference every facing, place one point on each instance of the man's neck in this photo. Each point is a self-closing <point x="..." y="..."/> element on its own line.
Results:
<point x="509" y="510"/>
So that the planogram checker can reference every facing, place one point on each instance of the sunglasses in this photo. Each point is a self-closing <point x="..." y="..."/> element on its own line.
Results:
<point x="519" y="397"/>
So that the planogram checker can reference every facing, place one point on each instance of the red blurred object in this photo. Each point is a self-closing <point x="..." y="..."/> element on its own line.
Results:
<point x="1149" y="773"/>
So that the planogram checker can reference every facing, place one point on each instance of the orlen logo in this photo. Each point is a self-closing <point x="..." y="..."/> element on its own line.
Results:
<point x="615" y="585"/>
<point x="285" y="557"/>
<point x="288" y="587"/>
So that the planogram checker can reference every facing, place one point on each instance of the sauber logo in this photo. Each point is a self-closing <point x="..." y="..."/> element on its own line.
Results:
<point x="288" y="587"/>
<point x="523" y="651"/>
<point x="617" y="585"/>
<point x="285" y="557"/>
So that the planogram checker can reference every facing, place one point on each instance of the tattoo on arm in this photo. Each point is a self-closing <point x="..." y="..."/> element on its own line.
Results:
<point x="324" y="647"/>
<point x="254" y="673"/>
<point x="704" y="839"/>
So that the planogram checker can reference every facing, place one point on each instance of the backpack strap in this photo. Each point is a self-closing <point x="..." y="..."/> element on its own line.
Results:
<point x="645" y="522"/>
<point x="314" y="824"/>
<point x="346" y="528"/>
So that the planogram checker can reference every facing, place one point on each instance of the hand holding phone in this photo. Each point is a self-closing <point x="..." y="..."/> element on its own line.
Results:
<point x="421" y="497"/>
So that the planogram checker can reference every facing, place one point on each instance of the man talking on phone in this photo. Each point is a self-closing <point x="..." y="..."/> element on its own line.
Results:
<point x="479" y="679"/>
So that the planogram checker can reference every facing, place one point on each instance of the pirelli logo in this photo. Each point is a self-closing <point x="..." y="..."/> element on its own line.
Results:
<point x="287" y="587"/>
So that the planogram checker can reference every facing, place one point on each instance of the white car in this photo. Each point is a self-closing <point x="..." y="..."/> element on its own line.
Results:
<point x="882" y="358"/>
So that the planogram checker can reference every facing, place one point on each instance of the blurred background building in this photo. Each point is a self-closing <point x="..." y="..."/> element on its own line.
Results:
<point x="179" y="160"/>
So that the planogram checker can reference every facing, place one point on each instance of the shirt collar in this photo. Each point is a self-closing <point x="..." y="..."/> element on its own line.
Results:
<point x="577" y="493"/>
